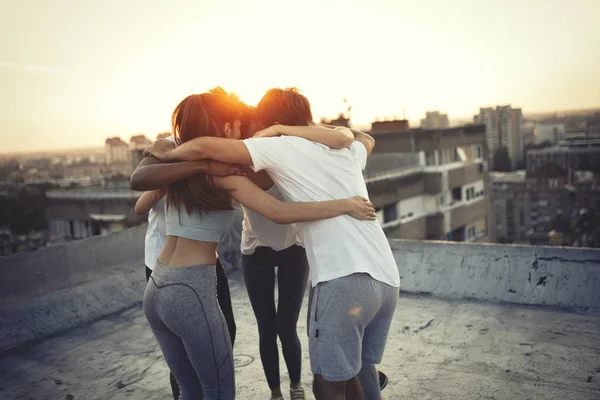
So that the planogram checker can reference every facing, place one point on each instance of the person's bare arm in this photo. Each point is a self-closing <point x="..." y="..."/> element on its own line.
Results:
<point x="248" y="194"/>
<point x="153" y="174"/>
<point x="148" y="200"/>
<point x="334" y="138"/>
<point x="224" y="150"/>
<point x="364" y="138"/>
<point x="367" y="140"/>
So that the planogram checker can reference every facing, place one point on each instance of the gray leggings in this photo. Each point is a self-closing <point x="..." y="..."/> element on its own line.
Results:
<point x="181" y="306"/>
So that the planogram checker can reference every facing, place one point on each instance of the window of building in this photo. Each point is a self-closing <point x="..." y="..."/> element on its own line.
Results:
<point x="429" y="158"/>
<point x="470" y="193"/>
<point x="457" y="194"/>
<point x="390" y="213"/>
<point x="460" y="155"/>
<point x="521" y="218"/>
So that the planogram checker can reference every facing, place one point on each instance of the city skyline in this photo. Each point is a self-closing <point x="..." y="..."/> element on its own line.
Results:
<point x="73" y="74"/>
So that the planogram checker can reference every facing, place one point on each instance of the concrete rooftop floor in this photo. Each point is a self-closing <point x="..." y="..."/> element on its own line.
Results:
<point x="437" y="349"/>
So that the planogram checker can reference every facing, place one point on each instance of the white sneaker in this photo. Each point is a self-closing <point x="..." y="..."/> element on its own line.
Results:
<point x="297" y="393"/>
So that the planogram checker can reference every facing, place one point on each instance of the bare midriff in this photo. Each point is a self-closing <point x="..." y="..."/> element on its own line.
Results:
<point x="182" y="252"/>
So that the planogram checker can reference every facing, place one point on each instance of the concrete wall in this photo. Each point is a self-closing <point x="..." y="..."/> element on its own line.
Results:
<point x="557" y="276"/>
<point x="56" y="288"/>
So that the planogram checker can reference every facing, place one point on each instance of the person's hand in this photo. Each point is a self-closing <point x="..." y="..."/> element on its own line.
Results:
<point x="216" y="168"/>
<point x="361" y="209"/>
<point x="271" y="131"/>
<point x="159" y="149"/>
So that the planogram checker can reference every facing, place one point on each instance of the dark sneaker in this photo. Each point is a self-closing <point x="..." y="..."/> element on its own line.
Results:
<point x="383" y="380"/>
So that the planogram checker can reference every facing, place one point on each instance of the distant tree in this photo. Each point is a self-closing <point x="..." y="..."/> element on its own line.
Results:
<point x="26" y="211"/>
<point x="501" y="160"/>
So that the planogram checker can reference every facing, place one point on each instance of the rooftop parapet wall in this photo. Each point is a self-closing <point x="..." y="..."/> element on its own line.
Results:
<point x="56" y="288"/>
<point x="60" y="287"/>
<point x="532" y="275"/>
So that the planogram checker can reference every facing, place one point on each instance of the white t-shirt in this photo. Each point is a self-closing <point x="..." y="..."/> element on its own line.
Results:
<point x="260" y="231"/>
<point x="308" y="171"/>
<point x="156" y="235"/>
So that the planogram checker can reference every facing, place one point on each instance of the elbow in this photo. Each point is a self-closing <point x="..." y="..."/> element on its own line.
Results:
<point x="346" y="140"/>
<point x="371" y="145"/>
<point x="137" y="182"/>
<point x="280" y="216"/>
<point x="134" y="184"/>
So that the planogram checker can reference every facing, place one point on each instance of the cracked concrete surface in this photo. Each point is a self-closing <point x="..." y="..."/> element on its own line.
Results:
<point x="437" y="349"/>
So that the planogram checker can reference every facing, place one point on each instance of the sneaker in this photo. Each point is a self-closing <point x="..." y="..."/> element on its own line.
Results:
<point x="297" y="393"/>
<point x="383" y="380"/>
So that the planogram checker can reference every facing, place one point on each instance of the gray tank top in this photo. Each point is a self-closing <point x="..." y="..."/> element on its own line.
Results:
<point x="206" y="227"/>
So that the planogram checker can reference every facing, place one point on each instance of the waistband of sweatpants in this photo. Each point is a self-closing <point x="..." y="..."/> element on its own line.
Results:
<point x="190" y="273"/>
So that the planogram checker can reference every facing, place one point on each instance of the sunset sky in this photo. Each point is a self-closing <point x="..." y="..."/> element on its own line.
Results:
<point x="73" y="72"/>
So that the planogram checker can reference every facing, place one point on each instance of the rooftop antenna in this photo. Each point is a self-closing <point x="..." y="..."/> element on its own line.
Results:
<point x="348" y="108"/>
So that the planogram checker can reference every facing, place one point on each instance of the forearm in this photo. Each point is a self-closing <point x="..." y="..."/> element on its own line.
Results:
<point x="192" y="150"/>
<point x="158" y="176"/>
<point x="292" y="212"/>
<point x="249" y="195"/>
<point x="219" y="149"/>
<point x="147" y="201"/>
<point x="334" y="138"/>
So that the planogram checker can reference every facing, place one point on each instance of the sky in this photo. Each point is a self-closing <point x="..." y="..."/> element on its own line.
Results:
<point x="74" y="72"/>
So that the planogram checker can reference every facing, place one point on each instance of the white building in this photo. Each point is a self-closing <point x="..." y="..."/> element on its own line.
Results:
<point x="116" y="151"/>
<point x="552" y="133"/>
<point x="434" y="120"/>
<point x="503" y="130"/>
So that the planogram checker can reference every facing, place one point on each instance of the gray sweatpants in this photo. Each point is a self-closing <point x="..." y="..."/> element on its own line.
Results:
<point x="181" y="306"/>
<point x="350" y="318"/>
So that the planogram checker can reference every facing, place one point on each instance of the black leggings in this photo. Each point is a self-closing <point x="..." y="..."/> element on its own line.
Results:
<point x="259" y="274"/>
<point x="224" y="298"/>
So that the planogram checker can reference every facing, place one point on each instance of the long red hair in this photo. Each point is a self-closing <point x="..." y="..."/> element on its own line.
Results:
<point x="199" y="115"/>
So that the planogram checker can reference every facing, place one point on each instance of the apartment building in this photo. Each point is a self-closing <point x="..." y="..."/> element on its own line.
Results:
<point x="503" y="125"/>
<point x="546" y="206"/>
<point x="84" y="212"/>
<point x="512" y="205"/>
<point x="577" y="151"/>
<point x="434" y="120"/>
<point x="137" y="144"/>
<point x="431" y="184"/>
<point x="116" y="151"/>
<point x="552" y="133"/>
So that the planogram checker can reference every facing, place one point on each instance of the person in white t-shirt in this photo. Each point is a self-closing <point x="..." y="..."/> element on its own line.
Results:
<point x="353" y="271"/>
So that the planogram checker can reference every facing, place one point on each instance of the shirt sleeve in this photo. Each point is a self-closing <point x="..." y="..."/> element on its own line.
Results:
<point x="267" y="152"/>
<point x="172" y="140"/>
<point x="360" y="153"/>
